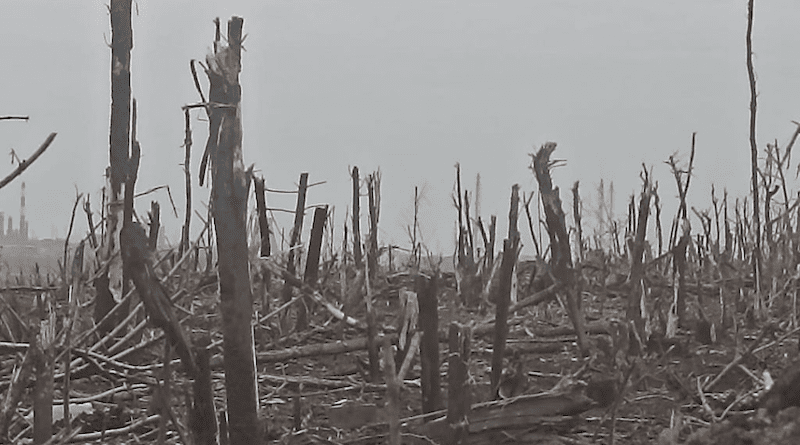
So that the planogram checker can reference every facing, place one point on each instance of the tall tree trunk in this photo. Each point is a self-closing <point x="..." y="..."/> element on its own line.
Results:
<point x="229" y="204"/>
<point x="119" y="141"/>
<point x="187" y="144"/>
<point x="753" y="148"/>
<point x="356" y="220"/>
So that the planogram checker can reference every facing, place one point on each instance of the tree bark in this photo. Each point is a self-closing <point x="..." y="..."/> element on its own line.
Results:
<point x="229" y="204"/>
<point x="500" y="321"/>
<point x="187" y="143"/>
<point x="263" y="222"/>
<point x="429" y="347"/>
<point x="356" y="220"/>
<point x="119" y="141"/>
<point x="753" y="149"/>
<point x="559" y="239"/>
<point x="312" y="262"/>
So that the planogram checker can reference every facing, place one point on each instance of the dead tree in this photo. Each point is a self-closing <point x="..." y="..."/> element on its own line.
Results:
<point x="753" y="150"/>
<point x="374" y="194"/>
<point x="138" y="257"/>
<point x="187" y="144"/>
<point x="229" y="204"/>
<point x="561" y="257"/>
<point x="110" y="287"/>
<point x="312" y="262"/>
<point x="263" y="222"/>
<point x="356" y="220"/>
<point x="633" y="311"/>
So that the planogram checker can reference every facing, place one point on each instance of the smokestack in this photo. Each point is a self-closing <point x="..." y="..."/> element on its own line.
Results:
<point x="2" y="224"/>
<point x="23" y="224"/>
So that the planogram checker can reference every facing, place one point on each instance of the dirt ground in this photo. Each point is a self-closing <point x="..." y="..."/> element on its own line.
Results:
<point x="654" y="397"/>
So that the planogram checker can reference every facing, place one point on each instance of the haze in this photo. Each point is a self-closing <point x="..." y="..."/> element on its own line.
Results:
<point x="409" y="87"/>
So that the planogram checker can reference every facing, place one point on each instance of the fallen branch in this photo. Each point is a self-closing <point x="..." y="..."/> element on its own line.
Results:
<point x="315" y="295"/>
<point x="27" y="162"/>
<point x="97" y="435"/>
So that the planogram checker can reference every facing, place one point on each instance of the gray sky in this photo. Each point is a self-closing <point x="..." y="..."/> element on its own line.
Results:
<point x="411" y="87"/>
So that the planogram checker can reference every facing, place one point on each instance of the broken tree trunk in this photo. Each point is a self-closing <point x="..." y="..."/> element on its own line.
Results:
<point x="263" y="222"/>
<point x="203" y="421"/>
<point x="229" y="204"/>
<point x="119" y="140"/>
<point x="392" y="394"/>
<point x="458" y="390"/>
<point x="43" y="392"/>
<point x="634" y="309"/>
<point x="138" y="258"/>
<point x="356" y="219"/>
<point x="265" y="251"/>
<point x="559" y="239"/>
<point x="312" y="263"/>
<point x="294" y="242"/>
<point x="429" y="347"/>
<point x="500" y="323"/>
<point x="374" y="193"/>
<point x="155" y="225"/>
<point x="187" y="144"/>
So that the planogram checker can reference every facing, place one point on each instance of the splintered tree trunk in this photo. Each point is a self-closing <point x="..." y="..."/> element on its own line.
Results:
<point x="500" y="320"/>
<point x="229" y="203"/>
<point x="297" y="229"/>
<point x="119" y="140"/>
<point x="187" y="144"/>
<point x="458" y="386"/>
<point x="374" y="192"/>
<point x="634" y="311"/>
<point x="312" y="262"/>
<point x="294" y="242"/>
<point x="429" y="347"/>
<point x="263" y="222"/>
<point x="559" y="239"/>
<point x="356" y="220"/>
<point x="155" y="224"/>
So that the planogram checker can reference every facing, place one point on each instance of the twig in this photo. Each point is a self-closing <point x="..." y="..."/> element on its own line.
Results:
<point x="19" y="118"/>
<point x="90" y="437"/>
<point x="27" y="162"/>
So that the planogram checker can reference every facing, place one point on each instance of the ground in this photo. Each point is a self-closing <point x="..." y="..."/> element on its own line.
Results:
<point x="327" y="398"/>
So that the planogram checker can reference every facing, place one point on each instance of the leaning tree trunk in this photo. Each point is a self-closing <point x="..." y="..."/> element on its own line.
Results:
<point x="559" y="240"/>
<point x="229" y="206"/>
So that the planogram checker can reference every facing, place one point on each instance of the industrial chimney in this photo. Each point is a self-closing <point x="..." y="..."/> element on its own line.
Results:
<point x="23" y="224"/>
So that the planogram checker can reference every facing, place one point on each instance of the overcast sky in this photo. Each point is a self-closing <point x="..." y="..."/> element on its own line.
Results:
<point x="409" y="87"/>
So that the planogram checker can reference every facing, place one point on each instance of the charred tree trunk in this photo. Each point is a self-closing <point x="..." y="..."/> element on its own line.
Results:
<point x="297" y="229"/>
<point x="753" y="150"/>
<point x="187" y="144"/>
<point x="294" y="242"/>
<point x="374" y="191"/>
<point x="119" y="140"/>
<point x="559" y="239"/>
<point x="634" y="308"/>
<point x="356" y="220"/>
<point x="203" y="421"/>
<point x="312" y="262"/>
<point x="263" y="222"/>
<point x="229" y="203"/>
<point x="500" y="320"/>
<point x="429" y="347"/>
<point x="458" y="392"/>
<point x="155" y="224"/>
